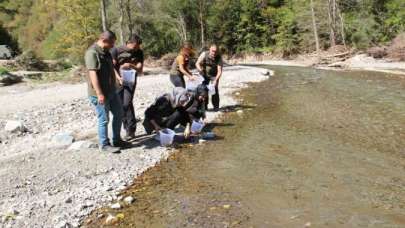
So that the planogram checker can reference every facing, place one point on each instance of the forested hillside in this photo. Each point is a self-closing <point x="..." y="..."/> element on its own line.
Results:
<point x="57" y="29"/>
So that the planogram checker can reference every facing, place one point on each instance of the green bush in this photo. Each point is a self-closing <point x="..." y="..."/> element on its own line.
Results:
<point x="3" y="70"/>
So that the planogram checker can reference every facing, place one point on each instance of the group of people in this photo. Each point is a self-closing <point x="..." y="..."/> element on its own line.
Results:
<point x="109" y="91"/>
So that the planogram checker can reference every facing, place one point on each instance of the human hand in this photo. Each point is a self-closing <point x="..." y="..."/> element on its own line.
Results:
<point x="101" y="99"/>
<point x="120" y="81"/>
<point x="187" y="131"/>
<point x="126" y="66"/>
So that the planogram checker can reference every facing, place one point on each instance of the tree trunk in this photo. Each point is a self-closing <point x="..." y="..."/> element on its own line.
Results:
<point x="120" y="6"/>
<point x="342" y="27"/>
<point x="332" y="22"/>
<point x="129" y="15"/>
<point x="202" y="22"/>
<point x="103" y="15"/>
<point x="182" y="27"/>
<point x="315" y="28"/>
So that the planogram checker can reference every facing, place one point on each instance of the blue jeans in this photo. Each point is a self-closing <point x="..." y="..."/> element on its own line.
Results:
<point x="112" y="104"/>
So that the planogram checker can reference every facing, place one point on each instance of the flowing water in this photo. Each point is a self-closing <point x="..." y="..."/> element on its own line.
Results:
<point x="312" y="148"/>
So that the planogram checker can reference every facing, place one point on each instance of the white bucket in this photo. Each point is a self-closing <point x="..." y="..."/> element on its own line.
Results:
<point x="166" y="137"/>
<point x="193" y="84"/>
<point x="211" y="89"/>
<point x="197" y="126"/>
<point x="128" y="77"/>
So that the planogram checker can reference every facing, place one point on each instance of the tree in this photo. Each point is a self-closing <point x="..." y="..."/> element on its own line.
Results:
<point x="315" y="29"/>
<point x="103" y="7"/>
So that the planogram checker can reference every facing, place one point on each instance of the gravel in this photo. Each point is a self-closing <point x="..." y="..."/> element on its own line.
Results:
<point x="50" y="185"/>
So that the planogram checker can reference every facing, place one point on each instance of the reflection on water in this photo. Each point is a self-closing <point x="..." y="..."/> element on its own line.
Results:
<point x="315" y="148"/>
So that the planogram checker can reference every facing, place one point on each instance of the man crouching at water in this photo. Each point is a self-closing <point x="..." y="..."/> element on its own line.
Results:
<point x="180" y="107"/>
<point x="102" y="91"/>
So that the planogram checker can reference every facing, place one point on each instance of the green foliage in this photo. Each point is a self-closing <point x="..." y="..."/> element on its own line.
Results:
<point x="3" y="70"/>
<point x="63" y="29"/>
<point x="395" y="21"/>
<point x="287" y="39"/>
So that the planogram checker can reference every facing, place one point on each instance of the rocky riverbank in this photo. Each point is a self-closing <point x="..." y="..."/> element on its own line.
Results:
<point x="51" y="174"/>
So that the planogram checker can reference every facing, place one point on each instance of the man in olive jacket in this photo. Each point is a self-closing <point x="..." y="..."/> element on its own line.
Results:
<point x="102" y="91"/>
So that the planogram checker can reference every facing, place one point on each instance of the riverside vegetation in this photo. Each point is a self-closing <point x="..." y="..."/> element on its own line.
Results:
<point x="63" y="29"/>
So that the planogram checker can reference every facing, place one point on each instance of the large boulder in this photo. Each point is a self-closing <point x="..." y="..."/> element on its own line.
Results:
<point x="15" y="127"/>
<point x="7" y="78"/>
<point x="377" y="52"/>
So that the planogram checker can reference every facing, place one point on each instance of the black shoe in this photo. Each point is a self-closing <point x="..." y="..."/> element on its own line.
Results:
<point x="122" y="144"/>
<point x="109" y="149"/>
<point x="216" y="109"/>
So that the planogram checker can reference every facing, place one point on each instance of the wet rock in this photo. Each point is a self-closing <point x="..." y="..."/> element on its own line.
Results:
<point x="82" y="145"/>
<point x="7" y="78"/>
<point x="63" y="139"/>
<point x="116" y="206"/>
<point x="266" y="72"/>
<point x="111" y="220"/>
<point x="129" y="199"/>
<point x="15" y="127"/>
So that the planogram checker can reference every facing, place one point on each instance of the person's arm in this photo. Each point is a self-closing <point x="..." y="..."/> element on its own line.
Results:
<point x="96" y="85"/>
<point x="155" y="125"/>
<point x="93" y="64"/>
<point x="199" y="63"/>
<point x="219" y="71"/>
<point x="185" y="71"/>
<point x="182" y="67"/>
<point x="118" y="77"/>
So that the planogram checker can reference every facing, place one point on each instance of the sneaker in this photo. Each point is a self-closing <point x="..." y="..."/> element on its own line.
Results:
<point x="109" y="149"/>
<point x="122" y="144"/>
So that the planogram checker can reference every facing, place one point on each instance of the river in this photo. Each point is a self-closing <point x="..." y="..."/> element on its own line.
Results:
<point x="308" y="148"/>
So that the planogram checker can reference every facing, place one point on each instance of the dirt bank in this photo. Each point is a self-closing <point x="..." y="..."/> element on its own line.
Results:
<point x="46" y="185"/>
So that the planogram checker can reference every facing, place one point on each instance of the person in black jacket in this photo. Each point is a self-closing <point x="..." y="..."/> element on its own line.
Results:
<point x="180" y="107"/>
<point x="128" y="57"/>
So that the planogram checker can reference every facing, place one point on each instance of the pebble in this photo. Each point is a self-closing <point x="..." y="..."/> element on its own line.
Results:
<point x="115" y="206"/>
<point x="63" y="139"/>
<point x="239" y="112"/>
<point x="82" y="145"/>
<point x="129" y="199"/>
<point x="111" y="220"/>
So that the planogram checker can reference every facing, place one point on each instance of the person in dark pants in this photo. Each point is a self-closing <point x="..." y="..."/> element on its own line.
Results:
<point x="102" y="91"/>
<point x="181" y="107"/>
<point x="127" y="57"/>
<point x="180" y="67"/>
<point x="210" y="65"/>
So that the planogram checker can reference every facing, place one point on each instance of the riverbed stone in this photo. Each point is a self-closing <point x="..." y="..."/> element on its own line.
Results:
<point x="63" y="139"/>
<point x="115" y="206"/>
<point x="111" y="220"/>
<point x="129" y="199"/>
<point x="82" y="145"/>
<point x="15" y="127"/>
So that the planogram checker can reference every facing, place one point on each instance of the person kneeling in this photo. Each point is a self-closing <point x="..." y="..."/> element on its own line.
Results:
<point x="180" y="107"/>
